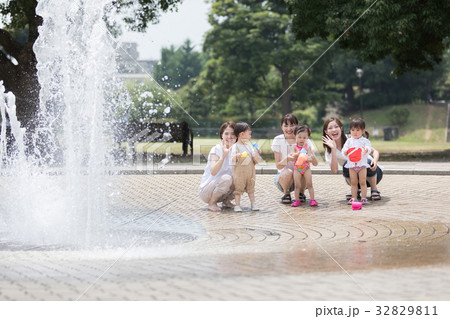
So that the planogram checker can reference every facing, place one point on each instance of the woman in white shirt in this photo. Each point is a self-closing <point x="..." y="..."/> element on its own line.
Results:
<point x="333" y="139"/>
<point x="282" y="146"/>
<point x="217" y="183"/>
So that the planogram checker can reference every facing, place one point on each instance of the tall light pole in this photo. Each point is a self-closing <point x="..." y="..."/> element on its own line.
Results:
<point x="359" y="74"/>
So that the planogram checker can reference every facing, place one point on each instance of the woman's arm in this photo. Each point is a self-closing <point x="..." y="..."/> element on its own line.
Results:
<point x="332" y="145"/>
<point x="312" y="159"/>
<point x="334" y="162"/>
<point x="376" y="157"/>
<point x="216" y="163"/>
<point x="282" y="162"/>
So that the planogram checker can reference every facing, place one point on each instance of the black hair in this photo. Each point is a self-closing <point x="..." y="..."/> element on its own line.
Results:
<point x="325" y="129"/>
<point x="289" y="119"/>
<point x="239" y="128"/>
<point x="302" y="128"/>
<point x="359" y="123"/>
<point x="224" y="126"/>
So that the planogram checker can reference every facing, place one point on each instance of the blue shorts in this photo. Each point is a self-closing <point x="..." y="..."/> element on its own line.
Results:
<point x="291" y="189"/>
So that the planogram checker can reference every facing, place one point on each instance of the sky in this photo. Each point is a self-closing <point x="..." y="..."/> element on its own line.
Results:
<point x="190" y="22"/>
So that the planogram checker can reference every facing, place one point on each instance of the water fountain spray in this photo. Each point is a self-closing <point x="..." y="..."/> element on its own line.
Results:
<point x="76" y="71"/>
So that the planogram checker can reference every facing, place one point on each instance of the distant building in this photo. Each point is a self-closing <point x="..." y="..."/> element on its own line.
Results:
<point x="129" y="65"/>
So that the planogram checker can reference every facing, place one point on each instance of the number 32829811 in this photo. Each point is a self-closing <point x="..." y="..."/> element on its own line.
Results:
<point x="406" y="311"/>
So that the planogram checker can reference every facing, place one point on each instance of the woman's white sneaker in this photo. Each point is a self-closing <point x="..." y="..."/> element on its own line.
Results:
<point x="237" y="209"/>
<point x="255" y="207"/>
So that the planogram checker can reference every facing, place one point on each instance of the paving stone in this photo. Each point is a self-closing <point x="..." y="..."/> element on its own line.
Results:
<point x="170" y="247"/>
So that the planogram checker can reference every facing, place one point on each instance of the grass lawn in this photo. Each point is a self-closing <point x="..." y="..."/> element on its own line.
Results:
<point x="203" y="145"/>
<point x="426" y="124"/>
<point x="424" y="132"/>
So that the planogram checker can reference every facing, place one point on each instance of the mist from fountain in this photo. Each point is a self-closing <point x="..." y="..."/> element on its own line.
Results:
<point x="76" y="71"/>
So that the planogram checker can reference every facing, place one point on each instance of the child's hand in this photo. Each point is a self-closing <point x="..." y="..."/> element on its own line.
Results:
<point x="292" y="157"/>
<point x="256" y="157"/>
<point x="364" y="150"/>
<point x="256" y="147"/>
<point x="312" y="159"/>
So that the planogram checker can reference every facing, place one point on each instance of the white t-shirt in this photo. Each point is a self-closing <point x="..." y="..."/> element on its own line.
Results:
<point x="225" y="169"/>
<point x="342" y="159"/>
<point x="359" y="158"/>
<point x="281" y="145"/>
<point x="241" y="148"/>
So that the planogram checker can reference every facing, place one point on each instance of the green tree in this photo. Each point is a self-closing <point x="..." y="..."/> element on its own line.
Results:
<point x="254" y="57"/>
<point x="380" y="88"/>
<point x="147" y="101"/>
<point x="178" y="66"/>
<point x="17" y="59"/>
<point x="414" y="32"/>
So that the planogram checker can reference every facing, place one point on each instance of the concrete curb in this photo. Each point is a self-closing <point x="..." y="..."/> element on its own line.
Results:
<point x="389" y="168"/>
<point x="272" y="171"/>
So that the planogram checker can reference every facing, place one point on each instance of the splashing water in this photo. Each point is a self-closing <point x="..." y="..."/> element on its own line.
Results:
<point x="76" y="70"/>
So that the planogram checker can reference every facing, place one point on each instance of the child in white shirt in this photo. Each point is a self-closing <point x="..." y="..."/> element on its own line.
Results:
<point x="357" y="148"/>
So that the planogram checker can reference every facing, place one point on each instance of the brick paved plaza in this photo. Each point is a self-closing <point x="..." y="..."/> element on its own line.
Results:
<point x="394" y="249"/>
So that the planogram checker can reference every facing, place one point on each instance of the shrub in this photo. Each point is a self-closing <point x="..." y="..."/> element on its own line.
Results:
<point x="399" y="115"/>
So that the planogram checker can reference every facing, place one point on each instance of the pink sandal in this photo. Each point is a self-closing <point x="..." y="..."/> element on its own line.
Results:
<point x="312" y="202"/>
<point x="296" y="203"/>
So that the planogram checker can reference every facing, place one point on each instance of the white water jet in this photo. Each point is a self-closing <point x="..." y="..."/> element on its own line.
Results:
<point x="76" y="71"/>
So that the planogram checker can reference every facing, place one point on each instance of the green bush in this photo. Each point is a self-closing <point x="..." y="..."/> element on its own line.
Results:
<point x="399" y="115"/>
<point x="307" y="116"/>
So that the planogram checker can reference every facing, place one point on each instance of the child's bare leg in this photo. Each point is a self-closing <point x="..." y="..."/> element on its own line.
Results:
<point x="308" y="183"/>
<point x="362" y="176"/>
<point x="252" y="197"/>
<point x="354" y="183"/>
<point x="302" y="184"/>
<point x="298" y="184"/>
<point x="237" y="199"/>
<point x="227" y="201"/>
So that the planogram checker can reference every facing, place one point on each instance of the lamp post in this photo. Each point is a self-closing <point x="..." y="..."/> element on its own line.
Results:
<point x="359" y="74"/>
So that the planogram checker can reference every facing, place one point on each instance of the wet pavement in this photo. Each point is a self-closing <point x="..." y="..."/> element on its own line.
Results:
<point x="394" y="249"/>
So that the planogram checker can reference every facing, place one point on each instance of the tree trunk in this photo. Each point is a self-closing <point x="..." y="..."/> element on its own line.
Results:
<point x="350" y="96"/>
<point x="22" y="81"/>
<point x="287" y="96"/>
<point x="21" y="78"/>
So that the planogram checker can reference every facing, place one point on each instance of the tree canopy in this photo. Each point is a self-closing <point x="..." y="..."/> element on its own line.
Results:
<point x="17" y="59"/>
<point x="414" y="32"/>
<point x="178" y="66"/>
<point x="253" y="56"/>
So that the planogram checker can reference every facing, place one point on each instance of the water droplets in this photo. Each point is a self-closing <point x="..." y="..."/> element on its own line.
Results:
<point x="146" y="95"/>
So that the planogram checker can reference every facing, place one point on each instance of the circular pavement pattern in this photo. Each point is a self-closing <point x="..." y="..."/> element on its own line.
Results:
<point x="165" y="245"/>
